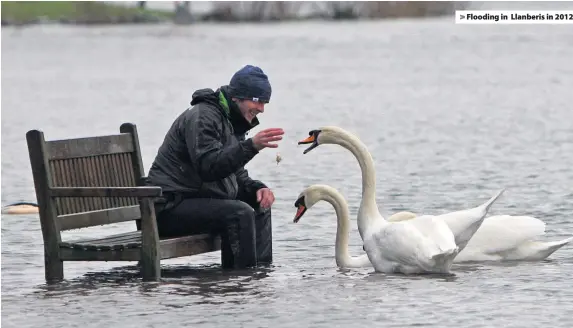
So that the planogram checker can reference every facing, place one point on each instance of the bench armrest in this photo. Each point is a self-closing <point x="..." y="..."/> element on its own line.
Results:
<point x="139" y="192"/>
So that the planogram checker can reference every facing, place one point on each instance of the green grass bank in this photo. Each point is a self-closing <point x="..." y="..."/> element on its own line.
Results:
<point x="77" y="12"/>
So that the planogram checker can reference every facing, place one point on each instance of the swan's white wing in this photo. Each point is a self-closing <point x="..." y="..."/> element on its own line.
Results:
<point x="436" y="230"/>
<point x="393" y="243"/>
<point x="403" y="244"/>
<point x="504" y="232"/>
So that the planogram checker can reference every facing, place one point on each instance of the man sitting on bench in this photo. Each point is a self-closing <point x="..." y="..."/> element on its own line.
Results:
<point x="200" y="167"/>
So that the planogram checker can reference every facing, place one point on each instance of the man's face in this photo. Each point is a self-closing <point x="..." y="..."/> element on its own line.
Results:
<point x="250" y="109"/>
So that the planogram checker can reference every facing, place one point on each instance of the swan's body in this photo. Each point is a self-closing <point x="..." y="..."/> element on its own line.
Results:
<point x="503" y="238"/>
<point x="421" y="244"/>
<point x="424" y="245"/>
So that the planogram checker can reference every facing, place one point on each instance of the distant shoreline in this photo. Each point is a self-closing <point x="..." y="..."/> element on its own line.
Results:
<point x="103" y="13"/>
<point x="78" y="13"/>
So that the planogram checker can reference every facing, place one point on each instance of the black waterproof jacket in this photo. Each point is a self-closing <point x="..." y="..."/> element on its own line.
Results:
<point x="204" y="152"/>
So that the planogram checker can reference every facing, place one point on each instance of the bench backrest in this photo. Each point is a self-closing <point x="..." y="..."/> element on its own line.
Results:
<point x="100" y="161"/>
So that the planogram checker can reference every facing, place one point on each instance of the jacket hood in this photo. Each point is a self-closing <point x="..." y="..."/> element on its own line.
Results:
<point x="204" y="95"/>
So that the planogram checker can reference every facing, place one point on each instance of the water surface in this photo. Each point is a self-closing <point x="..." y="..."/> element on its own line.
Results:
<point x="450" y="114"/>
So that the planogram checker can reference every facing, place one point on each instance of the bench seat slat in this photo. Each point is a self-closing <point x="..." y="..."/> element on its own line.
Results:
<point x="107" y="239"/>
<point x="131" y="241"/>
<point x="128" y="240"/>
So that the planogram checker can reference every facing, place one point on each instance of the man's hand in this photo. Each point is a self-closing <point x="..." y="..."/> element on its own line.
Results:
<point x="265" y="197"/>
<point x="264" y="138"/>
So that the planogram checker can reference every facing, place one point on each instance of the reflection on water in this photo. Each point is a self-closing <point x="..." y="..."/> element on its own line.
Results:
<point x="204" y="281"/>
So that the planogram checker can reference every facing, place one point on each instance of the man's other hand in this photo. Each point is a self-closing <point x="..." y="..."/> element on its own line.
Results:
<point x="265" y="197"/>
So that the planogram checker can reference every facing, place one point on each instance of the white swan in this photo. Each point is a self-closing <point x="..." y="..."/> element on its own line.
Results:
<point x="503" y="238"/>
<point x="316" y="193"/>
<point x="425" y="245"/>
<point x="420" y="245"/>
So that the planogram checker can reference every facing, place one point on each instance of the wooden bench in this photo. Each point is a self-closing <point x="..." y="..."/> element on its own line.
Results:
<point x="92" y="181"/>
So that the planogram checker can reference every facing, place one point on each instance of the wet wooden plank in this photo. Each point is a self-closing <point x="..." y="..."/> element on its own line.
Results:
<point x="130" y="254"/>
<point x="121" y="247"/>
<point x="89" y="146"/>
<point x="189" y="245"/>
<point x="100" y="217"/>
<point x="53" y="266"/>
<point x="105" y="192"/>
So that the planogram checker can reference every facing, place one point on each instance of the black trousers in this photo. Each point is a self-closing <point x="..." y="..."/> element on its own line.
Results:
<point x="244" y="227"/>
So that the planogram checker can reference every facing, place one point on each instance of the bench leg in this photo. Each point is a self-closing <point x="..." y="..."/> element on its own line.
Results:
<point x="150" y="268"/>
<point x="54" y="270"/>
<point x="150" y="251"/>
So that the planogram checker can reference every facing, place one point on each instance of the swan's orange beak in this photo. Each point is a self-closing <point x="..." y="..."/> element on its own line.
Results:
<point x="308" y="140"/>
<point x="300" y="208"/>
<point x="299" y="213"/>
<point x="311" y="139"/>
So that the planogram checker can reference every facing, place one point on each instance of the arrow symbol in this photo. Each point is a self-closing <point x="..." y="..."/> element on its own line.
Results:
<point x="462" y="16"/>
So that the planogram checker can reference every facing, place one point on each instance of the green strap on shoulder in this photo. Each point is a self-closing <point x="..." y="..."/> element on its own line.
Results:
<point x="223" y="102"/>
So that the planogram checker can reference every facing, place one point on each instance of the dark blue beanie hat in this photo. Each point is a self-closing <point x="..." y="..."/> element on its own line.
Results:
<point x="250" y="82"/>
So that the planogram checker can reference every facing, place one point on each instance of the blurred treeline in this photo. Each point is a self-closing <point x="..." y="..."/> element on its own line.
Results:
<point x="100" y="12"/>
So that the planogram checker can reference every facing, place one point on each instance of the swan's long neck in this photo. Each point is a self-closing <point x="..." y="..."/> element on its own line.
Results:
<point x="368" y="211"/>
<point x="343" y="258"/>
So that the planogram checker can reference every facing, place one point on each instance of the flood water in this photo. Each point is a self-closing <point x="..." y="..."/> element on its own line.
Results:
<point x="450" y="113"/>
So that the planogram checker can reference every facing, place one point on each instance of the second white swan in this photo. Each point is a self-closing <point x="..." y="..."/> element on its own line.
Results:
<point x="504" y="238"/>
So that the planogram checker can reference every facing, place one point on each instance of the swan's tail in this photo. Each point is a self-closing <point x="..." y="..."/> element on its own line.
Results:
<point x="541" y="250"/>
<point x="564" y="241"/>
<point x="552" y="246"/>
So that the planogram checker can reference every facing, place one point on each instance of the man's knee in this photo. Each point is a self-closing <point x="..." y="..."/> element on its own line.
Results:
<point x="242" y="210"/>
<point x="230" y="209"/>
